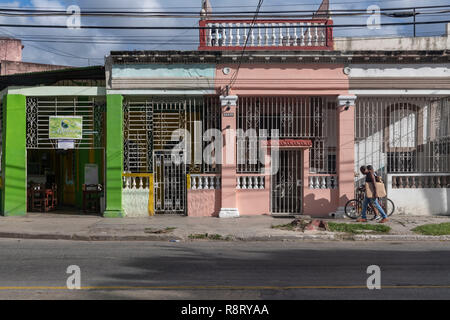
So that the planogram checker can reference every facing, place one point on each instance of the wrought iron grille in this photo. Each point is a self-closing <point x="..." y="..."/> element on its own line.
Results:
<point x="294" y="117"/>
<point x="287" y="184"/>
<point x="149" y="124"/>
<point x="212" y="116"/>
<point x="403" y="134"/>
<point x="169" y="184"/>
<point x="39" y="110"/>
<point x="138" y="136"/>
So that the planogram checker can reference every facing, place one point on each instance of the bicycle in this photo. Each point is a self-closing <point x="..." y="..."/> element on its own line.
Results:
<point x="353" y="207"/>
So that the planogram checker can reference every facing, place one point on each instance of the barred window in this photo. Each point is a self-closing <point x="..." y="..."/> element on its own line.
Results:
<point x="403" y="134"/>
<point x="288" y="117"/>
<point x="150" y="122"/>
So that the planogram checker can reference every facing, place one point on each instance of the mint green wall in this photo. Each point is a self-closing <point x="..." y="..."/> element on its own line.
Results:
<point x="164" y="71"/>
<point x="114" y="156"/>
<point x="14" y="162"/>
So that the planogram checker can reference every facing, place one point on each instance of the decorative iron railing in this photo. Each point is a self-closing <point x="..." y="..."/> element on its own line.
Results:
<point x="266" y="34"/>
<point x="149" y="123"/>
<point x="402" y="135"/>
<point x="39" y="110"/>
<point x="287" y="117"/>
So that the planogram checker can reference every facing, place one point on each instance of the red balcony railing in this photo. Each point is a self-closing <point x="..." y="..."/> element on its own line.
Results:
<point x="266" y="35"/>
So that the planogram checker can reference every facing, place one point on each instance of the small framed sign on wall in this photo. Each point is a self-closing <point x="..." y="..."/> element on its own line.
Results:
<point x="65" y="128"/>
<point x="66" y="144"/>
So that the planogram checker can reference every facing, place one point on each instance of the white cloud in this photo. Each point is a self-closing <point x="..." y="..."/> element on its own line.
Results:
<point x="96" y="50"/>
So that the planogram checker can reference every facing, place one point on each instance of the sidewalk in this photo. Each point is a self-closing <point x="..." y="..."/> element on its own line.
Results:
<point x="254" y="228"/>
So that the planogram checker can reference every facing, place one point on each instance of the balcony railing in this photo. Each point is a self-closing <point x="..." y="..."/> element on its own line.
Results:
<point x="266" y="35"/>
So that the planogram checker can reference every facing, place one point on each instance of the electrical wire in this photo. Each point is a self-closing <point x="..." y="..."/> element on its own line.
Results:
<point x="143" y="12"/>
<point x="235" y="74"/>
<point x="334" y="26"/>
<point x="286" y="15"/>
<point x="21" y="12"/>
<point x="217" y="6"/>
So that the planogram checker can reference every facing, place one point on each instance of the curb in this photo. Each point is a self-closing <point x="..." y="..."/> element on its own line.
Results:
<point x="166" y="238"/>
<point x="406" y="237"/>
<point x="82" y="237"/>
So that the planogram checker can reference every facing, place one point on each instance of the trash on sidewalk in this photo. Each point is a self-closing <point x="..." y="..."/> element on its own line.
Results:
<point x="303" y="225"/>
<point x="159" y="231"/>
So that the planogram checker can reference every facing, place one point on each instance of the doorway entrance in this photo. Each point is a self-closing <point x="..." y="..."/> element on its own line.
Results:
<point x="62" y="181"/>
<point x="65" y="154"/>
<point x="170" y="184"/>
<point x="287" y="196"/>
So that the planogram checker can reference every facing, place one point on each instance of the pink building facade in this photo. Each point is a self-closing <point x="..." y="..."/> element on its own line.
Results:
<point x="290" y="104"/>
<point x="295" y="116"/>
<point x="273" y="118"/>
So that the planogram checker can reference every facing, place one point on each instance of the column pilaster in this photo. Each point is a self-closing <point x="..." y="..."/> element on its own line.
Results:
<point x="346" y="149"/>
<point x="14" y="156"/>
<point x="228" y="193"/>
<point x="114" y="156"/>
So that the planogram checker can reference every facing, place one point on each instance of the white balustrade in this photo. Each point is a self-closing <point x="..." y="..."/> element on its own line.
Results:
<point x="250" y="182"/>
<point x="238" y="35"/>
<point x="421" y="181"/>
<point x="135" y="196"/>
<point x="300" y="34"/>
<point x="323" y="182"/>
<point x="205" y="182"/>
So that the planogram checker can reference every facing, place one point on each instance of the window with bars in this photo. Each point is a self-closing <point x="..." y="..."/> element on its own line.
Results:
<point x="403" y="134"/>
<point x="287" y="117"/>
<point x="40" y="109"/>
<point x="150" y="122"/>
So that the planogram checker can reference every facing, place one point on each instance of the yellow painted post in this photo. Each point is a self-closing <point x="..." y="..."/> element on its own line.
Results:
<point x="91" y="156"/>
<point x="188" y="181"/>
<point x="151" y="206"/>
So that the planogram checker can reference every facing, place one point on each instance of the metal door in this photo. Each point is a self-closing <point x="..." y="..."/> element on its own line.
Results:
<point x="169" y="184"/>
<point x="287" y="183"/>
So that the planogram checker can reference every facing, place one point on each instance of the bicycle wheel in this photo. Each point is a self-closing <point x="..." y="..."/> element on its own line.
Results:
<point x="353" y="208"/>
<point x="388" y="206"/>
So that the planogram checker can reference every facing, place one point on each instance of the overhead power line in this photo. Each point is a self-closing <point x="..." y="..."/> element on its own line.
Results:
<point x="297" y="4"/>
<point x="284" y="15"/>
<point x="147" y="12"/>
<point x="173" y="41"/>
<point x="235" y="74"/>
<point x="269" y="26"/>
<point x="144" y="13"/>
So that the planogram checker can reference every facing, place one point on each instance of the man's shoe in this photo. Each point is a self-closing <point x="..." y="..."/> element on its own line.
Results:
<point x="361" y="220"/>
<point x="383" y="220"/>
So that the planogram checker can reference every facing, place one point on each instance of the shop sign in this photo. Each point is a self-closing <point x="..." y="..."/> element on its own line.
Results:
<point x="65" y="128"/>
<point x="66" y="144"/>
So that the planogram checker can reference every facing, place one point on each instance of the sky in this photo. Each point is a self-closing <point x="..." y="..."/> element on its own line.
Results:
<point x="81" y="47"/>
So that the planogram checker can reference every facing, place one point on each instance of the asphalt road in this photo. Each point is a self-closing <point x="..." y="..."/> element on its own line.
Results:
<point x="31" y="269"/>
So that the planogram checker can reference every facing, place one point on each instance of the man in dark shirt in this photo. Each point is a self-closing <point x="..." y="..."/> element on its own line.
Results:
<point x="370" y="178"/>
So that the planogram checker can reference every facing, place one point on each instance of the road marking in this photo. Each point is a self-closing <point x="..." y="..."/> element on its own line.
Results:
<point x="221" y="287"/>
